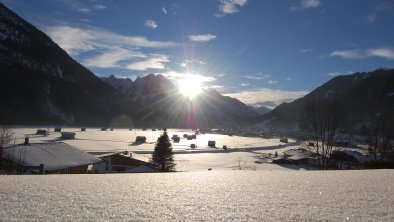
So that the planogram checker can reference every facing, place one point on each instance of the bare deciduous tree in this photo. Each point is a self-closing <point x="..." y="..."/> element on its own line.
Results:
<point x="6" y="135"/>
<point x="380" y="132"/>
<point x="323" y="119"/>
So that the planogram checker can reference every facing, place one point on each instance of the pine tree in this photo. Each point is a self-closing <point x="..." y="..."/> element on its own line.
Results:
<point x="163" y="155"/>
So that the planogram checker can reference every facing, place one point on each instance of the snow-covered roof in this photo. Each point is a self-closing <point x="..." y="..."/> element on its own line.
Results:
<point x="54" y="156"/>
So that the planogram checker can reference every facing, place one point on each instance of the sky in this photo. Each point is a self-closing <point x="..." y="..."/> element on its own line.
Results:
<point x="263" y="52"/>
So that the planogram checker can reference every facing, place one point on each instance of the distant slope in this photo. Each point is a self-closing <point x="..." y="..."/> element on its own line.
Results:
<point x="41" y="83"/>
<point x="262" y="110"/>
<point x="364" y="95"/>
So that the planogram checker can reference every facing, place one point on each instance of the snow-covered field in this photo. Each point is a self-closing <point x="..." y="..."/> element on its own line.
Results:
<point x="242" y="151"/>
<point x="201" y="196"/>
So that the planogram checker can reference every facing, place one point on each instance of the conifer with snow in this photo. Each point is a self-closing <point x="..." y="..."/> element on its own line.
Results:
<point x="163" y="155"/>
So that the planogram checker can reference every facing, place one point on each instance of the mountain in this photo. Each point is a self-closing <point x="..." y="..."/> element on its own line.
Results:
<point x="364" y="96"/>
<point x="123" y="85"/>
<point x="160" y="104"/>
<point x="40" y="82"/>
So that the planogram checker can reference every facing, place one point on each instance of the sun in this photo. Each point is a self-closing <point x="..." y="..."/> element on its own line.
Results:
<point x="190" y="86"/>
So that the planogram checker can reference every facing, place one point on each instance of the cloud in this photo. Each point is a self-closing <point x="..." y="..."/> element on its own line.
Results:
<point x="230" y="6"/>
<point x="288" y="79"/>
<point x="306" y="4"/>
<point x="192" y="62"/>
<point x="371" y="18"/>
<point x="85" y="20"/>
<point x="156" y="61"/>
<point x="202" y="38"/>
<point x="164" y="10"/>
<point x="112" y="58"/>
<point x="306" y="50"/>
<point x="269" y="97"/>
<point x="272" y="81"/>
<point x="333" y="74"/>
<point x="245" y="84"/>
<point x="80" y="6"/>
<point x="99" y="7"/>
<point x="76" y="40"/>
<point x="379" y="9"/>
<point x="348" y="54"/>
<point x="383" y="52"/>
<point x="150" y="23"/>
<point x="257" y="76"/>
<point x="386" y="53"/>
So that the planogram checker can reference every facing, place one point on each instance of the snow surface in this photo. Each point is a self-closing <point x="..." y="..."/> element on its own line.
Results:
<point x="201" y="196"/>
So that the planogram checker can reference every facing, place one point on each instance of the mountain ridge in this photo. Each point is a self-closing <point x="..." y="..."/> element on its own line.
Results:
<point x="364" y="94"/>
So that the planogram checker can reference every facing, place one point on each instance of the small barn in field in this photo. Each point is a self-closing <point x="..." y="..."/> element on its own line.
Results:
<point x="68" y="135"/>
<point x="140" y="139"/>
<point x="55" y="158"/>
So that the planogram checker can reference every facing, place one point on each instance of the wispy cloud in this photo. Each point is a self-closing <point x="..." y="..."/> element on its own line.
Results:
<point x="257" y="76"/>
<point x="268" y="97"/>
<point x="306" y="4"/>
<point x="151" y="24"/>
<point x="260" y="76"/>
<point x="333" y="74"/>
<point x="82" y="7"/>
<point x="245" y="84"/>
<point x="383" y="52"/>
<point x="272" y="81"/>
<point x="164" y="10"/>
<point x="112" y="58"/>
<point x="387" y="53"/>
<point x="192" y="62"/>
<point x="379" y="9"/>
<point x="202" y="38"/>
<point x="307" y="50"/>
<point x="155" y="61"/>
<point x="229" y="6"/>
<point x="348" y="54"/>
<point x="76" y="40"/>
<point x="99" y="7"/>
<point x="371" y="18"/>
<point x="288" y="79"/>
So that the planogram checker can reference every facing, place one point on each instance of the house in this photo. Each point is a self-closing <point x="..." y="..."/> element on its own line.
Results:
<point x="140" y="139"/>
<point x="58" y="129"/>
<point x="189" y="137"/>
<point x="211" y="143"/>
<point x="120" y="162"/>
<point x="55" y="158"/>
<point x="68" y="135"/>
<point x="104" y="129"/>
<point x="83" y="129"/>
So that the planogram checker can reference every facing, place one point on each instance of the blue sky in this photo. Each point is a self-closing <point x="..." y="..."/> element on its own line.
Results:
<point x="262" y="52"/>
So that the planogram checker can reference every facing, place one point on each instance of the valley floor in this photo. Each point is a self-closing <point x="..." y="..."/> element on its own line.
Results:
<point x="243" y="152"/>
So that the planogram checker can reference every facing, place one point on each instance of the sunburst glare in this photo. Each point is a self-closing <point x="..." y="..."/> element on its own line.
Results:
<point x="190" y="86"/>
